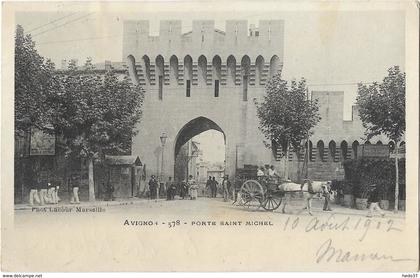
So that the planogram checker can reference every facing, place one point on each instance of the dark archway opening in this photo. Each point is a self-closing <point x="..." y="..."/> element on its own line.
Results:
<point x="344" y="150"/>
<point x="320" y="147"/>
<point x="354" y="147"/>
<point x="200" y="151"/>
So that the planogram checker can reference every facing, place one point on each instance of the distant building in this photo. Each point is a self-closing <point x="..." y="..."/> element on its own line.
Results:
<point x="119" y="67"/>
<point x="207" y="169"/>
<point x="216" y="171"/>
<point x="188" y="161"/>
<point x="203" y="166"/>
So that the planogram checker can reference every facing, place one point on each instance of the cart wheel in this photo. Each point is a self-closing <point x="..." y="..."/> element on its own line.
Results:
<point x="271" y="202"/>
<point x="252" y="193"/>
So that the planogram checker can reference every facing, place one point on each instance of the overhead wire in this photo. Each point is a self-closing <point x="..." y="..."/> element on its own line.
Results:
<point x="64" y="24"/>
<point x="50" y="22"/>
<point x="82" y="39"/>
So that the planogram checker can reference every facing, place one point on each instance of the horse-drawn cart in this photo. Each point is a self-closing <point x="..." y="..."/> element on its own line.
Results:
<point x="270" y="192"/>
<point x="257" y="191"/>
<point x="263" y="193"/>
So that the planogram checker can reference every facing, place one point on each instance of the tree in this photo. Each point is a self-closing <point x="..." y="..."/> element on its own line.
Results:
<point x="382" y="111"/>
<point x="286" y="115"/>
<point x="96" y="114"/>
<point x="35" y="85"/>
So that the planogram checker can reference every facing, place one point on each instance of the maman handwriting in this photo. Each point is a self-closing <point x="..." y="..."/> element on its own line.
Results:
<point x="328" y="253"/>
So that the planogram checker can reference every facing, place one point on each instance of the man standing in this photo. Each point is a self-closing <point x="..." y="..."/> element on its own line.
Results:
<point x="374" y="200"/>
<point x="272" y="172"/>
<point x="109" y="192"/>
<point x="209" y="186"/>
<point x="74" y="182"/>
<point x="183" y="189"/>
<point x="214" y="184"/>
<point x="260" y="172"/>
<point x="169" y="189"/>
<point x="50" y="196"/>
<point x="43" y="183"/>
<point x="226" y="188"/>
<point x="33" y="194"/>
<point x="162" y="188"/>
<point x="326" y="192"/>
<point x="153" y="185"/>
<point x="266" y="170"/>
<point x="173" y="190"/>
<point x="32" y="181"/>
<point x="57" y="198"/>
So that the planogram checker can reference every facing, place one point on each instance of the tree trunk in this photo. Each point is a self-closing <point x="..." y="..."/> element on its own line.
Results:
<point x="396" y="178"/>
<point x="91" y="182"/>
<point x="286" y="166"/>
<point x="299" y="171"/>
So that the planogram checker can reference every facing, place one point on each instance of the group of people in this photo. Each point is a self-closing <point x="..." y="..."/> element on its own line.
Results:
<point x="171" y="188"/>
<point x="42" y="195"/>
<point x="373" y="200"/>
<point x="267" y="171"/>
<point x="211" y="185"/>
<point x="186" y="188"/>
<point x="44" y="192"/>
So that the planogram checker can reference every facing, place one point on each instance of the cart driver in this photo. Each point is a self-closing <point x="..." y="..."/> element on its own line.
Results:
<point x="260" y="172"/>
<point x="272" y="174"/>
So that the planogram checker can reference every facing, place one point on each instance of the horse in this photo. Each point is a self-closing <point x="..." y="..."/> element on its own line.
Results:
<point x="308" y="188"/>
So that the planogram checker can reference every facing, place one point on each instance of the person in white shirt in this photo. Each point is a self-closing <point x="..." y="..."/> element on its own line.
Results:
<point x="260" y="172"/>
<point x="272" y="172"/>
<point x="226" y="188"/>
<point x="193" y="187"/>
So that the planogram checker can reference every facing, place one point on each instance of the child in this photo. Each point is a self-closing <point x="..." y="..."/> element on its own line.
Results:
<point x="374" y="200"/>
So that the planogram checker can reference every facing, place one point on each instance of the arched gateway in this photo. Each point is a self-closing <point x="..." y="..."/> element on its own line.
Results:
<point x="184" y="152"/>
<point x="193" y="128"/>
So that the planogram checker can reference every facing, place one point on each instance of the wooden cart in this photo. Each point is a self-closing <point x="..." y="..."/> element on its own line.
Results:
<point x="256" y="192"/>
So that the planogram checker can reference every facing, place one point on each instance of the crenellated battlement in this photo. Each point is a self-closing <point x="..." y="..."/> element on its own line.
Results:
<point x="238" y="39"/>
<point x="205" y="53"/>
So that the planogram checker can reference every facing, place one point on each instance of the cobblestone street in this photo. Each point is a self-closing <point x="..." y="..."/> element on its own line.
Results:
<point x="188" y="210"/>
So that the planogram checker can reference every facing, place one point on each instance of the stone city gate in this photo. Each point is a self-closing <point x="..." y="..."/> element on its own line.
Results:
<point x="200" y="80"/>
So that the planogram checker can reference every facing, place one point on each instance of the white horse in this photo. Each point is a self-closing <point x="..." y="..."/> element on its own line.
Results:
<point x="308" y="188"/>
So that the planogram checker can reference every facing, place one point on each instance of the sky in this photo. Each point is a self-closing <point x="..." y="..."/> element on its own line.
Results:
<point x="335" y="48"/>
<point x="212" y="143"/>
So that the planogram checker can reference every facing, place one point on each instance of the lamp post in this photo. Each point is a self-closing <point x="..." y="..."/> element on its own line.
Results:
<point x="163" y="138"/>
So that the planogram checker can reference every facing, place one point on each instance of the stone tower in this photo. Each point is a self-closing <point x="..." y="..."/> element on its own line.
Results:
<point x="200" y="80"/>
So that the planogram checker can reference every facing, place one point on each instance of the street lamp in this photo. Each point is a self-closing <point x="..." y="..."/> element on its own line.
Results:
<point x="163" y="138"/>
